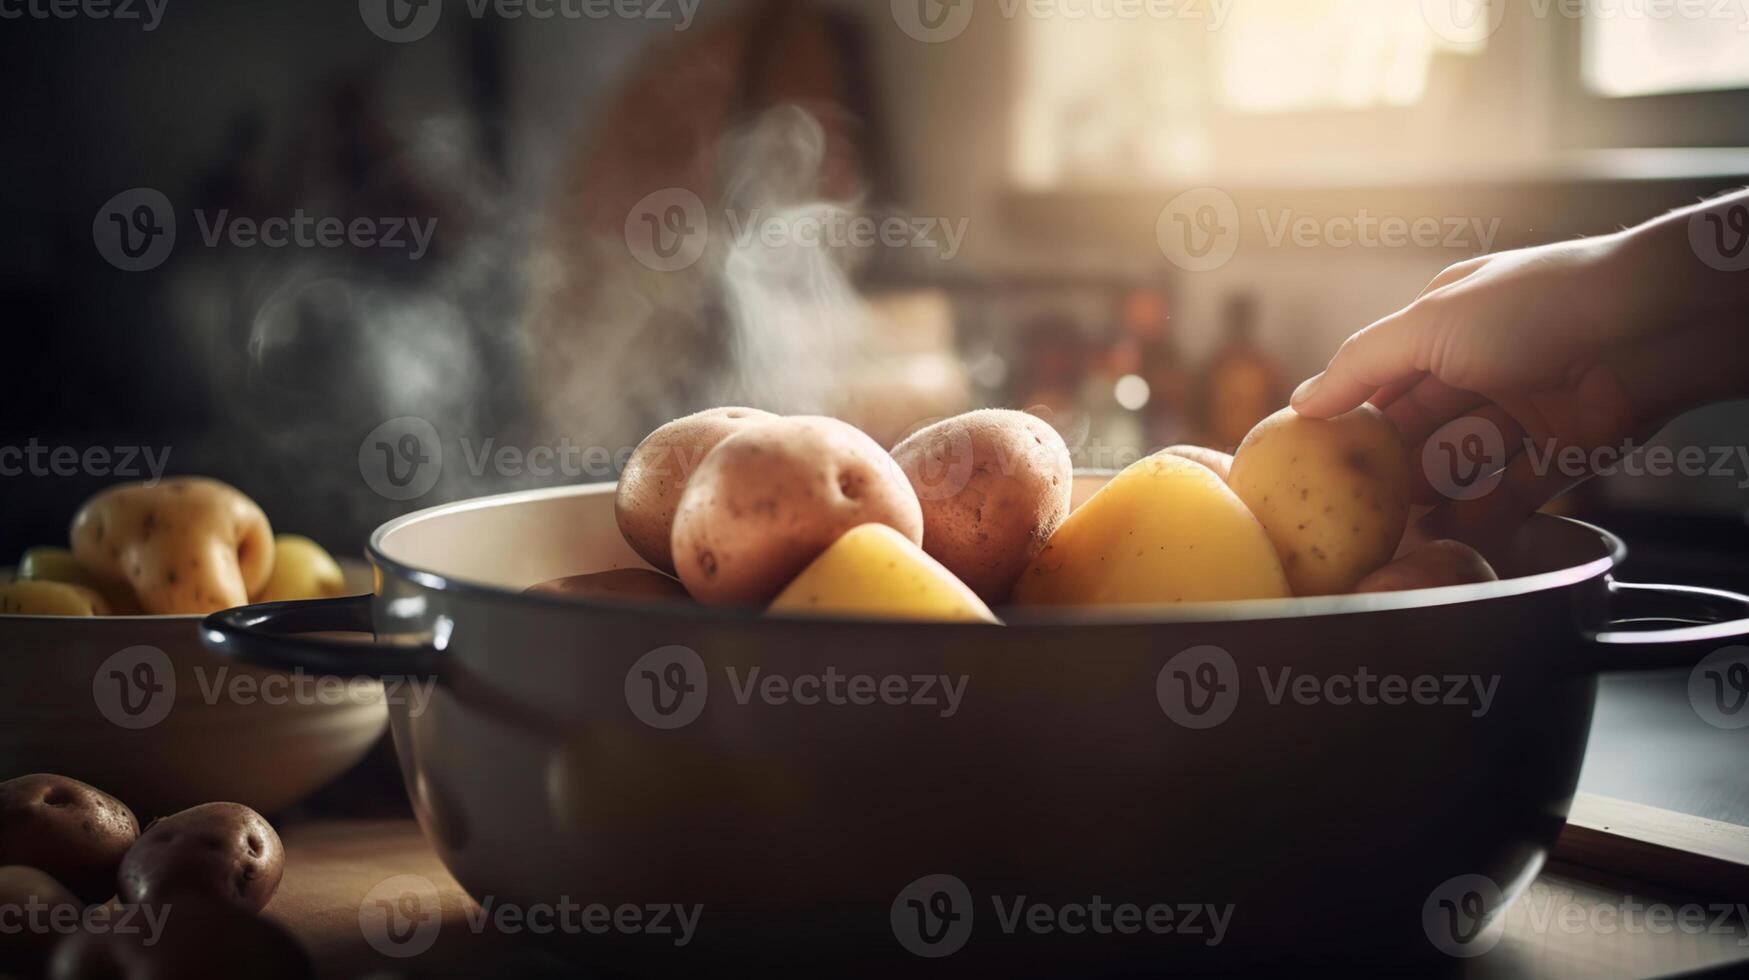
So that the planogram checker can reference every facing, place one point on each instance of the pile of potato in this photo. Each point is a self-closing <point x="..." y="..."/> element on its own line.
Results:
<point x="186" y="545"/>
<point x="737" y="507"/>
<point x="86" y="895"/>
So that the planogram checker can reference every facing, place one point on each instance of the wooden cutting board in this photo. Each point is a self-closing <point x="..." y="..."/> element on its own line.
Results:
<point x="1564" y="926"/>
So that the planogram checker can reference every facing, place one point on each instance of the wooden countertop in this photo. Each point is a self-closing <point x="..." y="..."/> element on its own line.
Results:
<point x="1565" y="926"/>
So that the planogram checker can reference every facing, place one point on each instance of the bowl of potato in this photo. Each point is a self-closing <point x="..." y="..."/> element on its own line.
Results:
<point x="106" y="677"/>
<point x="841" y="695"/>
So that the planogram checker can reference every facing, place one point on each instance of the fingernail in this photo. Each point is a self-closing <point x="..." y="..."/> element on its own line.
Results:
<point x="1305" y="390"/>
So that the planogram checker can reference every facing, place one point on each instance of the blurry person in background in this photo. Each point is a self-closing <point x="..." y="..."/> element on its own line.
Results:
<point x="1242" y="384"/>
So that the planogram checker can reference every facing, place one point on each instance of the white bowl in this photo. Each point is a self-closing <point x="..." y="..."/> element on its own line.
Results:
<point x="136" y="707"/>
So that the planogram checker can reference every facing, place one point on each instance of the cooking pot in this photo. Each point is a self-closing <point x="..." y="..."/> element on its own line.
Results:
<point x="1190" y="786"/>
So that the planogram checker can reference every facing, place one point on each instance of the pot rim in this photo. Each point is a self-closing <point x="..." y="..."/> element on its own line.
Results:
<point x="1175" y="613"/>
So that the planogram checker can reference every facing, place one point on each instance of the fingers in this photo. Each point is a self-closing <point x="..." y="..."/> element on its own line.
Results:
<point x="1383" y="356"/>
<point x="1488" y="522"/>
<point x="1446" y="465"/>
<point x="1384" y="397"/>
<point x="1389" y="351"/>
<point x="1427" y="405"/>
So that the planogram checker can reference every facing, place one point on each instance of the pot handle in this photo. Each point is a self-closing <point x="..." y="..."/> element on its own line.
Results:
<point x="265" y="635"/>
<point x="1694" y="622"/>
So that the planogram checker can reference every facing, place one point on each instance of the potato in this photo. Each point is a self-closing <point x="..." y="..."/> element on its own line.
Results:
<point x="33" y="906"/>
<point x="1164" y="530"/>
<point x="302" y="569"/>
<point x="875" y="571"/>
<point x="993" y="485"/>
<point x="59" y="565"/>
<point x="1214" y="459"/>
<point x="186" y="545"/>
<point x="617" y="585"/>
<point x="1332" y="493"/>
<point x="658" y="471"/>
<point x="73" y="832"/>
<point x="1430" y="566"/>
<point x="220" y="851"/>
<point x="770" y="498"/>
<point x="187" y="939"/>
<point x="51" y="599"/>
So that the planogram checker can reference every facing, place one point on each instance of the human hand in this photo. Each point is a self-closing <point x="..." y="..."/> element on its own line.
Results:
<point x="1585" y="344"/>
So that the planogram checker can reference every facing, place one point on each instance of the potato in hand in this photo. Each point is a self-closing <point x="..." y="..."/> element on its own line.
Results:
<point x="877" y="572"/>
<point x="1164" y="530"/>
<point x="1332" y="493"/>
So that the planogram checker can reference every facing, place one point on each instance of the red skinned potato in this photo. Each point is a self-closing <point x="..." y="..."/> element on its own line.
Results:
<point x="994" y="485"/>
<point x="223" y="852"/>
<point x="770" y="498"/>
<point x="1430" y="566"/>
<point x="187" y="545"/>
<point x="1214" y="459"/>
<point x="658" y="471"/>
<point x="31" y="904"/>
<point x="76" y="834"/>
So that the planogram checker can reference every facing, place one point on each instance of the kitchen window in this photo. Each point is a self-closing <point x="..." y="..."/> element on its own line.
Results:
<point x="1373" y="90"/>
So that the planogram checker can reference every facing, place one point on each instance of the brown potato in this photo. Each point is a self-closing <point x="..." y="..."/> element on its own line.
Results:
<point x="187" y="939"/>
<point x="221" y="851"/>
<point x="993" y="486"/>
<point x="617" y="585"/>
<point x="770" y="498"/>
<point x="186" y="545"/>
<point x="1214" y="459"/>
<point x="75" y="833"/>
<point x="33" y="908"/>
<point x="1430" y="566"/>
<point x="658" y="471"/>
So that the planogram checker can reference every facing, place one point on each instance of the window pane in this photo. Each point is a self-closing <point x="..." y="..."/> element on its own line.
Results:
<point x="1693" y="47"/>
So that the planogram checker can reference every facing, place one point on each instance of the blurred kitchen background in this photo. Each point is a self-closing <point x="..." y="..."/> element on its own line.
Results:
<point x="1026" y="163"/>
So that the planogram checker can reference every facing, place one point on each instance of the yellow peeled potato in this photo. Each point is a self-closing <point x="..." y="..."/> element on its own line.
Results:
<point x="1332" y="493"/>
<point x="1430" y="566"/>
<point x="1164" y="530"/>
<point x="874" y="571"/>
<point x="302" y="569"/>
<point x="50" y="599"/>
<point x="59" y="565"/>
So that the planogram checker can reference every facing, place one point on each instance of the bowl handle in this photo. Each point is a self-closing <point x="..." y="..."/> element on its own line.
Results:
<point x="1660" y="626"/>
<point x="265" y="635"/>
